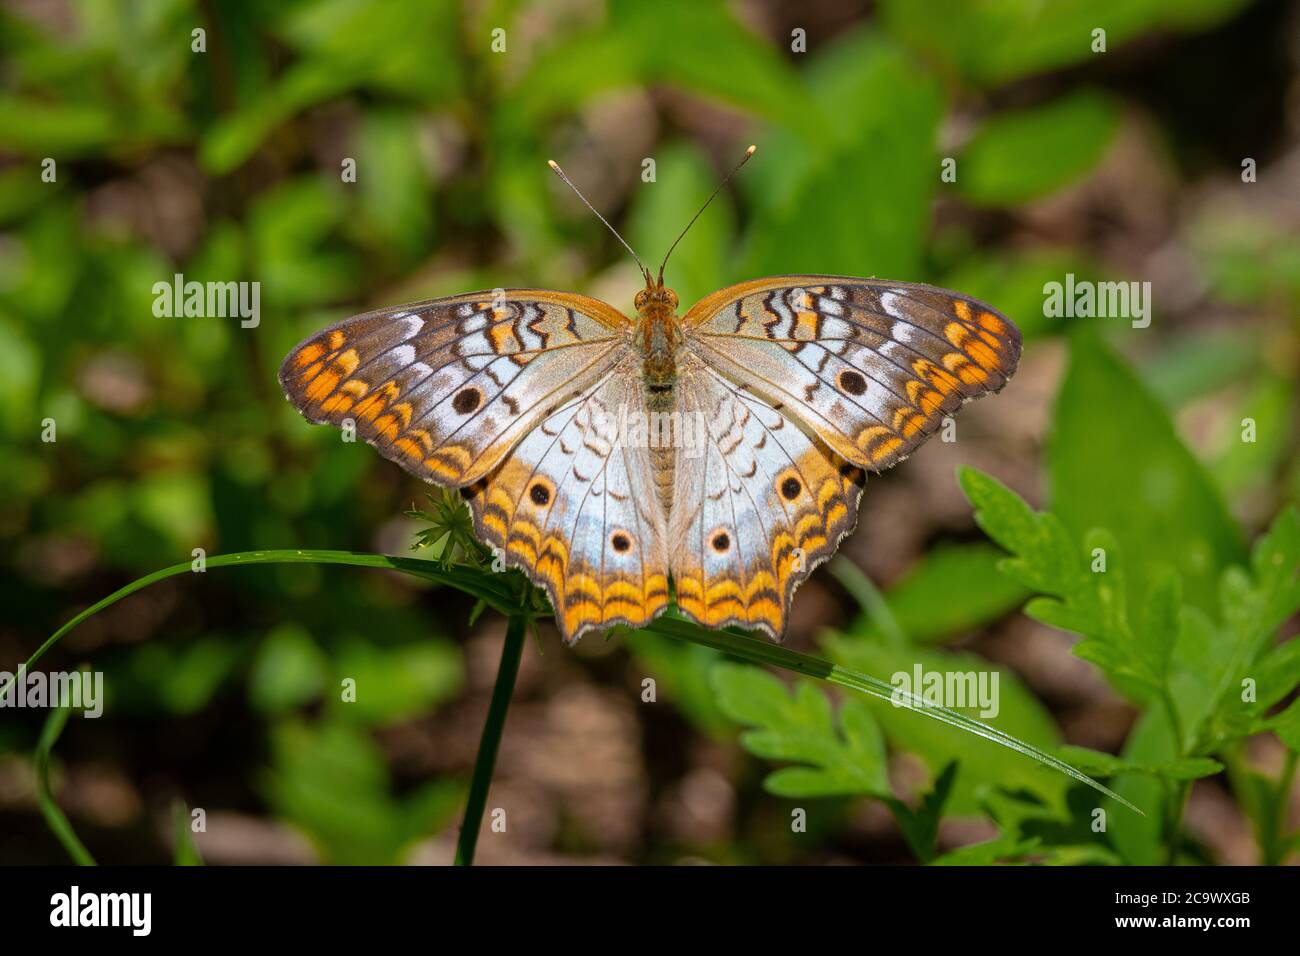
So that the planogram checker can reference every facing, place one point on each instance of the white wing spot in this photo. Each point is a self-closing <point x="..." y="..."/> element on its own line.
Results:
<point x="889" y="302"/>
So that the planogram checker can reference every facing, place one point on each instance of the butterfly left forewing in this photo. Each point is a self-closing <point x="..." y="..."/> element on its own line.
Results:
<point x="758" y="503"/>
<point x="872" y="367"/>
<point x="446" y="388"/>
<point x="574" y="506"/>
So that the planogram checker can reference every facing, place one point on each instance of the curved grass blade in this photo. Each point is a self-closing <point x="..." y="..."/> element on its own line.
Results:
<point x="761" y="651"/>
<point x="49" y="809"/>
<point x="499" y="592"/>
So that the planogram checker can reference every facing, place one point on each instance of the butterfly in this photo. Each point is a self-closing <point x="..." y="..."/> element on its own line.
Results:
<point x="756" y="415"/>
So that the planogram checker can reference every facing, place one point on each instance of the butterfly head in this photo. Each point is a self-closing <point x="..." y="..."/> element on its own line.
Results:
<point x="656" y="298"/>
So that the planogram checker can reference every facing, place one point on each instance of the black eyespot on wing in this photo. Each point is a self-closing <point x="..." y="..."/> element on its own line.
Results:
<point x="466" y="400"/>
<point x="539" y="494"/>
<point x="620" y="542"/>
<point x="721" y="541"/>
<point x="790" y="489"/>
<point x="852" y="382"/>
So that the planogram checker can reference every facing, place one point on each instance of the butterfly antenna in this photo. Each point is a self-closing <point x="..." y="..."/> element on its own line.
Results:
<point x="725" y="179"/>
<point x="568" y="182"/>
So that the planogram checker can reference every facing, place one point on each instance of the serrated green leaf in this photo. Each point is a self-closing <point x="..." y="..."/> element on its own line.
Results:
<point x="1116" y="462"/>
<point x="982" y="767"/>
<point x="1083" y="589"/>
<point x="844" y="760"/>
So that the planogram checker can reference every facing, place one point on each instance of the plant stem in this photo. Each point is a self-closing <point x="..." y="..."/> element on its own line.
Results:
<point x="490" y="742"/>
<point x="1274" y="825"/>
<point x="1178" y="793"/>
<point x="58" y="823"/>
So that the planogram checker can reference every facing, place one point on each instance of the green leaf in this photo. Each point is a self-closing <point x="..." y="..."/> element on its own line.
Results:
<point x="394" y="683"/>
<point x="404" y="47"/>
<point x="288" y="671"/>
<point x="920" y="827"/>
<point x="331" y="781"/>
<point x="1247" y="469"/>
<point x="991" y="43"/>
<point x="1140" y="840"/>
<point x="760" y="651"/>
<point x="1276" y="674"/>
<point x="394" y="181"/>
<point x="1117" y="463"/>
<point x="974" y="593"/>
<point x="847" y="760"/>
<point x="1217" y="659"/>
<point x="1275" y="561"/>
<point x="886" y="115"/>
<point x="703" y="48"/>
<point x="1007" y="705"/>
<point x="1287" y="726"/>
<point x="1083" y="588"/>
<point x="1007" y="848"/>
<point x="1016" y="157"/>
<point x="684" y="178"/>
<point x="1158" y="633"/>
<point x="697" y="47"/>
<point x="682" y="672"/>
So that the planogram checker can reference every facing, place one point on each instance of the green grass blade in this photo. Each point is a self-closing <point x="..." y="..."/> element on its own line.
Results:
<point x="49" y="809"/>
<point x="184" y="852"/>
<point x="497" y="592"/>
<point x="499" y="595"/>
<point x="760" y="651"/>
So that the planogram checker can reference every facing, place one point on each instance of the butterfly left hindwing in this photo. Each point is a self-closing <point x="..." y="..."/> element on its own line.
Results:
<point x="574" y="506"/>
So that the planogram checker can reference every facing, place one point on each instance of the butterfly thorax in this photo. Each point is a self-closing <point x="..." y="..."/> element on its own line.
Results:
<point x="658" y="336"/>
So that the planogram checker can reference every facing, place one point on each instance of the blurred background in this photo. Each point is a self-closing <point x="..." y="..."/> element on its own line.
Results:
<point x="1171" y="155"/>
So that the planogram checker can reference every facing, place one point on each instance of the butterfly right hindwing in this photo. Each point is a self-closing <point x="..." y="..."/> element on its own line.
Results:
<point x="755" y="508"/>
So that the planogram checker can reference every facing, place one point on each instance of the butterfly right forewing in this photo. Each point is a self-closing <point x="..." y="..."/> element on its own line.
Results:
<point x="870" y="366"/>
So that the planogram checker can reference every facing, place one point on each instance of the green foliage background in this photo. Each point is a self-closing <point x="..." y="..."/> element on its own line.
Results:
<point x="172" y="435"/>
